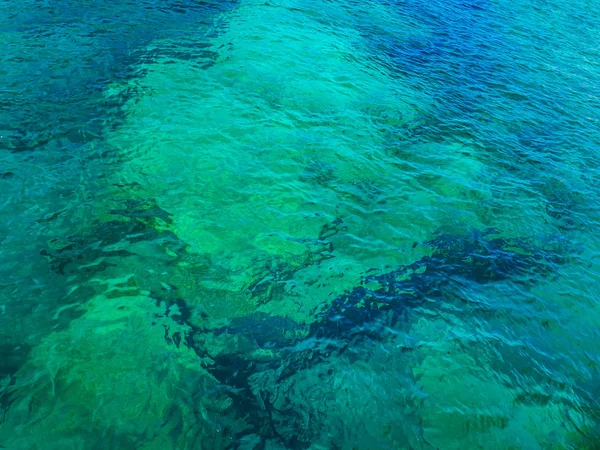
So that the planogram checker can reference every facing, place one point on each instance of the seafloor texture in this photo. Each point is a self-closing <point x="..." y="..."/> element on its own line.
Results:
<point x="299" y="224"/>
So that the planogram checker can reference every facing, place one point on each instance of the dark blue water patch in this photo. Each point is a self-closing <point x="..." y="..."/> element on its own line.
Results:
<point x="136" y="223"/>
<point x="62" y="275"/>
<point x="346" y="328"/>
<point x="63" y="57"/>
<point x="477" y="258"/>
<point x="58" y="61"/>
<point x="359" y="319"/>
<point x="491" y="83"/>
<point x="14" y="356"/>
<point x="456" y="41"/>
<point x="453" y="60"/>
<point x="491" y="89"/>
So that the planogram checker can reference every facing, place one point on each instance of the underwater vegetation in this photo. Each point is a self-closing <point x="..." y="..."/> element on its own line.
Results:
<point x="258" y="360"/>
<point x="299" y="225"/>
<point x="360" y="319"/>
<point x="67" y="56"/>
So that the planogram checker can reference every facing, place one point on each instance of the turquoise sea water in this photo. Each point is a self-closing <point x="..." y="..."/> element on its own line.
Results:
<point x="294" y="224"/>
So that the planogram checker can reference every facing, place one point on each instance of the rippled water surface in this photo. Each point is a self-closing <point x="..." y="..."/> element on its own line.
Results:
<point x="317" y="224"/>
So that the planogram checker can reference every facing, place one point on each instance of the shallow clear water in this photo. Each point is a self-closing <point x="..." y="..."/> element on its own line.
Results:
<point x="299" y="225"/>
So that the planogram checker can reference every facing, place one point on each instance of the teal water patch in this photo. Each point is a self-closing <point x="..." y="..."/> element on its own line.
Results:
<point x="60" y="57"/>
<point x="300" y="225"/>
<point x="57" y="63"/>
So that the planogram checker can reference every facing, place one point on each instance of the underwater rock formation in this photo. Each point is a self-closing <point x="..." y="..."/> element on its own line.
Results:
<point x="273" y="350"/>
